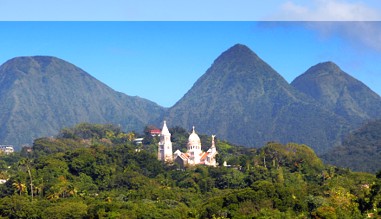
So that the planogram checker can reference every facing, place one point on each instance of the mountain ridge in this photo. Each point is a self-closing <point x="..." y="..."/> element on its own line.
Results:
<point x="40" y="88"/>
<point x="241" y="90"/>
<point x="339" y="92"/>
<point x="240" y="97"/>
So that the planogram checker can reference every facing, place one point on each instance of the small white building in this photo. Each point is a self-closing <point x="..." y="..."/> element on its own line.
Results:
<point x="7" y="149"/>
<point x="138" y="141"/>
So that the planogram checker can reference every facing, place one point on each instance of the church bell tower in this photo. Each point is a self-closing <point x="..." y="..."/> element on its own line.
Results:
<point x="164" y="152"/>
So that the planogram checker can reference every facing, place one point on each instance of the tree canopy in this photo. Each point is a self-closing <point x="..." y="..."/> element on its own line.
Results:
<point x="95" y="171"/>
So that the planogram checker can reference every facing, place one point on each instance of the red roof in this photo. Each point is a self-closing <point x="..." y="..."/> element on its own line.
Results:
<point x="204" y="156"/>
<point x="155" y="131"/>
<point x="184" y="156"/>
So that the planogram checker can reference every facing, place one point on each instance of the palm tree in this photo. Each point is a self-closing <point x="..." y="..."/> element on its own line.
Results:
<point x="26" y="163"/>
<point x="20" y="187"/>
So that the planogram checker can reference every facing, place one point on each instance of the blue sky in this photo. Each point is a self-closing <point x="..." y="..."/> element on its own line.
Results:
<point x="158" y="49"/>
<point x="160" y="61"/>
<point x="175" y="10"/>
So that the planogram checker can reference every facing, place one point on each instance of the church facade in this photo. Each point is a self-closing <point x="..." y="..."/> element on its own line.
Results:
<point x="193" y="156"/>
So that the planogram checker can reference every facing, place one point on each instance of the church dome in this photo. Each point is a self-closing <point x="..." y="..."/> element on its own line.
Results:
<point x="193" y="139"/>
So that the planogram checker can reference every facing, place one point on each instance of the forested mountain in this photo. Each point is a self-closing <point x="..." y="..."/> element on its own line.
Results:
<point x="94" y="171"/>
<point x="360" y="151"/>
<point x="242" y="99"/>
<point x="40" y="95"/>
<point x="339" y="92"/>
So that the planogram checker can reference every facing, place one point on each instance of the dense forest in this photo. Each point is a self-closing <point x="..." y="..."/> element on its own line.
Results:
<point x="96" y="171"/>
<point x="360" y="150"/>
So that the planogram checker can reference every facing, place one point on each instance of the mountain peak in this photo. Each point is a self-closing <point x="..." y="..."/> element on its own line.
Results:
<point x="237" y="51"/>
<point x="327" y="64"/>
<point x="239" y="47"/>
<point x="237" y="66"/>
<point x="339" y="92"/>
<point x="36" y="65"/>
<point x="325" y="68"/>
<point x="241" y="95"/>
<point x="38" y="59"/>
<point x="45" y="94"/>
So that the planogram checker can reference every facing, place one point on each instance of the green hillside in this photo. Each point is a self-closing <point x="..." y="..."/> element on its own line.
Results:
<point x="243" y="100"/>
<point x="360" y="151"/>
<point x="40" y="95"/>
<point x="339" y="92"/>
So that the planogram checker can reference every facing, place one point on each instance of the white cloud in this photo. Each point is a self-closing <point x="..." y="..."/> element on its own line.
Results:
<point x="326" y="10"/>
<point x="360" y="34"/>
<point x="363" y="30"/>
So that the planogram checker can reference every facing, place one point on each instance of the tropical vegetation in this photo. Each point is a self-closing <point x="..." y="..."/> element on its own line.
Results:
<point x="96" y="171"/>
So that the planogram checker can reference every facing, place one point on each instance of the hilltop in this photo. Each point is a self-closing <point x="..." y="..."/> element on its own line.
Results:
<point x="339" y="92"/>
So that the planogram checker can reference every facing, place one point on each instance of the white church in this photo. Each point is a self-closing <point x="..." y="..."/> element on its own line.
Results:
<point x="194" y="154"/>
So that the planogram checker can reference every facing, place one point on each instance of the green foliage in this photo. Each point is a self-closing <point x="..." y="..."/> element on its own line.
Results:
<point x="45" y="146"/>
<point x="16" y="206"/>
<point x="74" y="177"/>
<point x="67" y="208"/>
<point x="360" y="151"/>
<point x="179" y="137"/>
